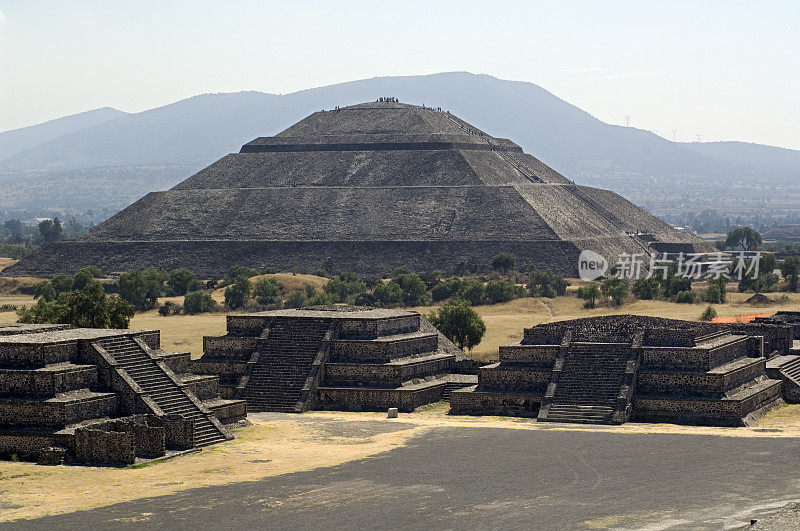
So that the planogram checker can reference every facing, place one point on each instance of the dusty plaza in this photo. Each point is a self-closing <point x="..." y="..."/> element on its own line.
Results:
<point x="303" y="265"/>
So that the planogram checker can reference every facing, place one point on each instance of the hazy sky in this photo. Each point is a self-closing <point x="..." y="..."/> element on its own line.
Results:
<point x="729" y="70"/>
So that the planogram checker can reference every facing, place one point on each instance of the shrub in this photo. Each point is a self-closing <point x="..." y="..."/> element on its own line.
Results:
<point x="310" y="290"/>
<point x="712" y="295"/>
<point x="345" y="286"/>
<point x="181" y="281"/>
<point x="235" y="272"/>
<point x="473" y="291"/>
<point x="198" y="302"/>
<point x="708" y="314"/>
<point x="446" y="289"/>
<point x="265" y="290"/>
<point x="615" y="289"/>
<point x="389" y="294"/>
<point x="86" y="308"/>
<point x="415" y="293"/>
<point x="503" y="262"/>
<point x="498" y="291"/>
<point x="296" y="299"/>
<point x="685" y="297"/>
<point x="721" y="284"/>
<point x="62" y="283"/>
<point x="237" y="294"/>
<point x="647" y="288"/>
<point x="142" y="288"/>
<point x="166" y="309"/>
<point x="460" y="323"/>
<point x="365" y="299"/>
<point x="44" y="290"/>
<point x="589" y="293"/>
<point x="322" y="299"/>
<point x="790" y="269"/>
<point x="544" y="283"/>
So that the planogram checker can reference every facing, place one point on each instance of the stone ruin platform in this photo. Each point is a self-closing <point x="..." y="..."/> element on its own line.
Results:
<point x="333" y="357"/>
<point x="100" y="396"/>
<point x="609" y="370"/>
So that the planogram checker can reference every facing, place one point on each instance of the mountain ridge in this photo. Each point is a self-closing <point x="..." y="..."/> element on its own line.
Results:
<point x="193" y="132"/>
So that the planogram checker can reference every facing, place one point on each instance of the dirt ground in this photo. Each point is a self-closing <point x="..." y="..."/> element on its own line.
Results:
<point x="279" y="444"/>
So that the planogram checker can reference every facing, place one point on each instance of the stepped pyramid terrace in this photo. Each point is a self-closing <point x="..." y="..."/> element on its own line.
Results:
<point x="609" y="370"/>
<point x="101" y="396"/>
<point x="367" y="188"/>
<point x="334" y="357"/>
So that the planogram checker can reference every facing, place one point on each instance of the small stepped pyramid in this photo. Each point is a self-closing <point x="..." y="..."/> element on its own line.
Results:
<point x="791" y="370"/>
<point x="335" y="357"/>
<point x="157" y="384"/>
<point x="284" y="363"/>
<point x="590" y="384"/>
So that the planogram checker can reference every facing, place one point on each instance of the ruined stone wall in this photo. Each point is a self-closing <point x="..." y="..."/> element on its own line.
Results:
<point x="104" y="447"/>
<point x="382" y="350"/>
<point x="212" y="258"/>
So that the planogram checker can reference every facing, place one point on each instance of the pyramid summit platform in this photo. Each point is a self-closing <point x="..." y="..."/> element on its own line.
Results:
<point x="367" y="188"/>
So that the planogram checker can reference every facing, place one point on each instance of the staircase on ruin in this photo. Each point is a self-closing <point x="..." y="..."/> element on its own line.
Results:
<point x="593" y="385"/>
<point x="285" y="359"/>
<point x="161" y="388"/>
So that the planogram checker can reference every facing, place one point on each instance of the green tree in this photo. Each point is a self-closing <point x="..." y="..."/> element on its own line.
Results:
<point x="181" y="281"/>
<point x="142" y="288"/>
<point x="589" y="293"/>
<point x="708" y="314"/>
<point x="685" y="297"/>
<point x="265" y="290"/>
<point x="616" y="289"/>
<point x="345" y="286"/>
<point x="62" y="283"/>
<point x="322" y="299"/>
<point x="544" y="283"/>
<point x="498" y="291"/>
<point x="237" y="295"/>
<point x="745" y="237"/>
<point x="84" y="276"/>
<point x="721" y="283"/>
<point x="446" y="288"/>
<point x="712" y="294"/>
<point x="296" y="299"/>
<point x="235" y="272"/>
<point x="198" y="302"/>
<point x="790" y="269"/>
<point x="50" y="230"/>
<point x="647" y="288"/>
<point x="503" y="262"/>
<point x="87" y="308"/>
<point x="44" y="290"/>
<point x="415" y="293"/>
<point x="460" y="323"/>
<point x="473" y="291"/>
<point x="389" y="294"/>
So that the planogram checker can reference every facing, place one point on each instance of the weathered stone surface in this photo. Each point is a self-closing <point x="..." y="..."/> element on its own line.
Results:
<point x="366" y="188"/>
<point x="611" y="369"/>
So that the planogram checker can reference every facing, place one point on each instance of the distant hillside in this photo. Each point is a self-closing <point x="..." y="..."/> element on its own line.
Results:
<point x="154" y="149"/>
<point x="16" y="140"/>
<point x="773" y="158"/>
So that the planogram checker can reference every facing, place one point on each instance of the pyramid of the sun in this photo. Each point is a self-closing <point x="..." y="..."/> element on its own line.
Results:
<point x="367" y="188"/>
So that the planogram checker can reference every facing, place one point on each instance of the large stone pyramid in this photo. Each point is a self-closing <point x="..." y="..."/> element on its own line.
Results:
<point x="367" y="188"/>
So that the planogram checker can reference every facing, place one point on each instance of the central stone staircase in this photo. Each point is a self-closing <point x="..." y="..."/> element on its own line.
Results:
<point x="159" y="386"/>
<point x="285" y="360"/>
<point x="590" y="385"/>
